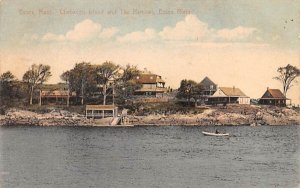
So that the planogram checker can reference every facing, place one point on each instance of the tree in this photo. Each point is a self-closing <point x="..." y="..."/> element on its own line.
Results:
<point x="189" y="89"/>
<point x="36" y="75"/>
<point x="66" y="77"/>
<point x="129" y="72"/>
<point x="7" y="77"/>
<point x="7" y="80"/>
<point x="85" y="79"/>
<point x="108" y="74"/>
<point x="82" y="79"/>
<point x="286" y="76"/>
<point x="125" y="84"/>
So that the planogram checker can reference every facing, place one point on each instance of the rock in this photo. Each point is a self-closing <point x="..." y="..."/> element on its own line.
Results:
<point x="214" y="116"/>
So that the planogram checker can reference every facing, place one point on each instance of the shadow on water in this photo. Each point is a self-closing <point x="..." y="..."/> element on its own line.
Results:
<point x="166" y="156"/>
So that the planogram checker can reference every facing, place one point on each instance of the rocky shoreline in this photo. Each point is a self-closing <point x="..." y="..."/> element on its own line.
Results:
<point x="231" y="115"/>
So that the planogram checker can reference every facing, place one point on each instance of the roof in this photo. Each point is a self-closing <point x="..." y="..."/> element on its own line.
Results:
<point x="100" y="107"/>
<point x="58" y="93"/>
<point x="207" y="83"/>
<point x="232" y="91"/>
<point x="273" y="93"/>
<point x="148" y="79"/>
<point x="158" y="90"/>
<point x="51" y="87"/>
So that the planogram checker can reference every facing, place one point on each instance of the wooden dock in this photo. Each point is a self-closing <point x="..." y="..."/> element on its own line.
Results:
<point x="97" y="125"/>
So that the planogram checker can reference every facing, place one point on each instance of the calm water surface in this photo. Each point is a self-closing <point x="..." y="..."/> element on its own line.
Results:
<point x="172" y="156"/>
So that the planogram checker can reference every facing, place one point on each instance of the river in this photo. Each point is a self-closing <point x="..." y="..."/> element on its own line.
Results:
<point x="166" y="156"/>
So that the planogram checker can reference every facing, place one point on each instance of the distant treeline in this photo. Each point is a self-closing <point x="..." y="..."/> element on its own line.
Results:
<point x="85" y="79"/>
<point x="101" y="83"/>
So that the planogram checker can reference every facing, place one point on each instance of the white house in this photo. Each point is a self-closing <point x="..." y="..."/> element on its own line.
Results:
<point x="228" y="95"/>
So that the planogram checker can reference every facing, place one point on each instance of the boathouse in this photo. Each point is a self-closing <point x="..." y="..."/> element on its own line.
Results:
<point x="101" y="111"/>
<point x="273" y="97"/>
<point x="225" y="95"/>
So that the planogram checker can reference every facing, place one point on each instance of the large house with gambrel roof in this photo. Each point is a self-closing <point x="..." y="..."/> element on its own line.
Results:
<point x="151" y="85"/>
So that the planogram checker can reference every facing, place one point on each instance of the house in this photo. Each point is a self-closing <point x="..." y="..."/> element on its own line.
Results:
<point x="56" y="94"/>
<point x="209" y="87"/>
<point x="225" y="95"/>
<point x="58" y="97"/>
<point x="273" y="97"/>
<point x="151" y="85"/>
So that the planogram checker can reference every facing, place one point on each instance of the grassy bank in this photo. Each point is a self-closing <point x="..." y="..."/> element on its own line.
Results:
<point x="162" y="108"/>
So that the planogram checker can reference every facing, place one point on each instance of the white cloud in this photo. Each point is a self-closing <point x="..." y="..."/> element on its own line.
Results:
<point x="188" y="29"/>
<point x="52" y="37"/>
<point x="108" y="32"/>
<point x="139" y="36"/>
<point x="238" y="33"/>
<point x="83" y="31"/>
<point x="191" y="28"/>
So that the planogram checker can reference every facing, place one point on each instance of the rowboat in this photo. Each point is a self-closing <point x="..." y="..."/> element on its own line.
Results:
<point x="214" y="134"/>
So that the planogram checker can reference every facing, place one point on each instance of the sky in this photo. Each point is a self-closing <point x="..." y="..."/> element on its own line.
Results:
<point x="237" y="43"/>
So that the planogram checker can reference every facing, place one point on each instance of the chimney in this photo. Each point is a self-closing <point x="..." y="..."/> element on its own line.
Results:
<point x="145" y="70"/>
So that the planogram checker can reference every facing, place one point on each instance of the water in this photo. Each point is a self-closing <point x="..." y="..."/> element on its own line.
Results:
<point x="169" y="156"/>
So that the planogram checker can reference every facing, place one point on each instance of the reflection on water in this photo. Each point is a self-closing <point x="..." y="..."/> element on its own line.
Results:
<point x="149" y="157"/>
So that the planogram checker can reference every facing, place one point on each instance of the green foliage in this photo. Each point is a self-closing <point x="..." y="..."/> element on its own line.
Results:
<point x="7" y="77"/>
<point x="11" y="89"/>
<point x="189" y="89"/>
<point x="7" y="83"/>
<point x="82" y="79"/>
<point x="125" y="84"/>
<point x="35" y="76"/>
<point x="126" y="90"/>
<point x="287" y="76"/>
<point x="87" y="80"/>
<point x="12" y="92"/>
<point x="129" y="72"/>
<point x="161" y="108"/>
<point x="108" y="73"/>
<point x="114" y="77"/>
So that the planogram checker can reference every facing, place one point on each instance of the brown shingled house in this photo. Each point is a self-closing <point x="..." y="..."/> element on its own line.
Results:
<point x="151" y="85"/>
<point x="273" y="97"/>
<point x="209" y="87"/>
